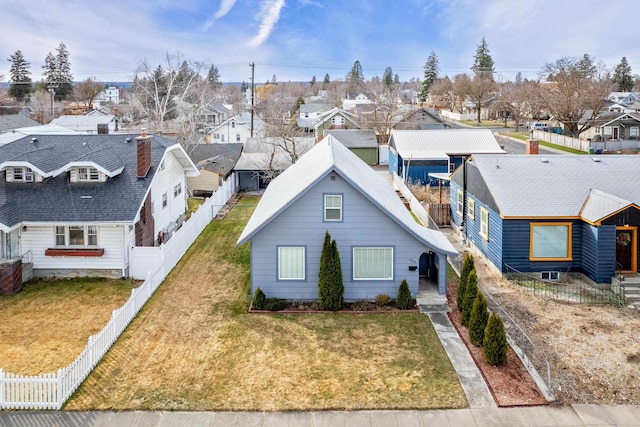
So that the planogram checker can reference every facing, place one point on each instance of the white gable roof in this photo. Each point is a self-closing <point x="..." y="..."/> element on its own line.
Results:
<point x="436" y="143"/>
<point x="327" y="156"/>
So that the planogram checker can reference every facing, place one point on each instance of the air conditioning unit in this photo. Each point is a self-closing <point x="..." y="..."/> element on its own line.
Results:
<point x="552" y="276"/>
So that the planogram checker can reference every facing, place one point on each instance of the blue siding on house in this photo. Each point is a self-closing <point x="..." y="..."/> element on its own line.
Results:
<point x="491" y="247"/>
<point x="599" y="252"/>
<point x="301" y="224"/>
<point x="516" y="239"/>
<point x="393" y="161"/>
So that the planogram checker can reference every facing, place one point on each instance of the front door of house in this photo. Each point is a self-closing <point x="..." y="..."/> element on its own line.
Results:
<point x="616" y="133"/>
<point x="626" y="249"/>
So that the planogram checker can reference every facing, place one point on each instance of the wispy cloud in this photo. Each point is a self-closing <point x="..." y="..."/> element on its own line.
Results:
<point x="225" y="7"/>
<point x="269" y="16"/>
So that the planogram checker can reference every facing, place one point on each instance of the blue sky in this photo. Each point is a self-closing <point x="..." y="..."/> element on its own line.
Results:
<point x="297" y="39"/>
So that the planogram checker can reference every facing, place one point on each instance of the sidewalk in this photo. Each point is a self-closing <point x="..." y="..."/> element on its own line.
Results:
<point x="576" y="415"/>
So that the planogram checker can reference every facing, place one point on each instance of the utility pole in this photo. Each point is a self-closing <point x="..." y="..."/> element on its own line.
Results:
<point x="253" y="69"/>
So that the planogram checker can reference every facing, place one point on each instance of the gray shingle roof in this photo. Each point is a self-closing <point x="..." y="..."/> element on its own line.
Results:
<point x="559" y="185"/>
<point x="354" y="138"/>
<point x="325" y="157"/>
<point x="15" y="121"/>
<point x="218" y="158"/>
<point x="57" y="200"/>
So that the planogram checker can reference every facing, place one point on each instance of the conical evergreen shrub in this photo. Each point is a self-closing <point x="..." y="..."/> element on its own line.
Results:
<point x="323" y="273"/>
<point x="330" y="284"/>
<point x="404" y="300"/>
<point x="259" y="300"/>
<point x="478" y="320"/>
<point x="495" y="341"/>
<point x="467" y="266"/>
<point x="470" y="292"/>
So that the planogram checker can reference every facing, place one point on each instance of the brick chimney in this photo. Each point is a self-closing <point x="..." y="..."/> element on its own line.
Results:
<point x="143" y="149"/>
<point x="532" y="146"/>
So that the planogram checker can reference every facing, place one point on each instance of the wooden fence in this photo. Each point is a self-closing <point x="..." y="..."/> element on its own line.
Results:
<point x="440" y="212"/>
<point x="51" y="390"/>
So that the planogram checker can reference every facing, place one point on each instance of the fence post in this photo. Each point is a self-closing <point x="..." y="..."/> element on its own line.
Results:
<point x="549" y="377"/>
<point x="59" y="390"/>
<point x="90" y="344"/>
<point x="1" y="389"/>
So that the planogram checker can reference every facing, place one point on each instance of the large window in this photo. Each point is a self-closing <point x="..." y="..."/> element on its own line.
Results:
<point x="76" y="235"/>
<point x="291" y="263"/>
<point x="333" y="207"/>
<point x="373" y="263"/>
<point x="459" y="204"/>
<point x="484" y="223"/>
<point x="550" y="241"/>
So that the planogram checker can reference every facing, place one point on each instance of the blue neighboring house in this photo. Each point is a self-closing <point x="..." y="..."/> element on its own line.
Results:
<point x="331" y="189"/>
<point x="551" y="215"/>
<point x="414" y="154"/>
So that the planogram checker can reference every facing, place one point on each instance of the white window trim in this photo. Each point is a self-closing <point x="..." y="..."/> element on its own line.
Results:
<point x="459" y="202"/>
<point x="484" y="224"/>
<point x="471" y="208"/>
<point x="332" y="208"/>
<point x="355" y="258"/>
<point x="90" y="174"/>
<point x="303" y="260"/>
<point x="165" y="200"/>
<point x="66" y="235"/>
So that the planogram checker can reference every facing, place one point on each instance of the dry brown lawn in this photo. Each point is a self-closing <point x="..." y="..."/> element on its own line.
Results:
<point x="195" y="347"/>
<point x="47" y="324"/>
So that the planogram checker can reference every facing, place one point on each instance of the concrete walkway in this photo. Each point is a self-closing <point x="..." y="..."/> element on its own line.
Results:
<point x="538" y="416"/>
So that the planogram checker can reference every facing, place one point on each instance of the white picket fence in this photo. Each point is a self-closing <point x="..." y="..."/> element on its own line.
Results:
<point x="51" y="390"/>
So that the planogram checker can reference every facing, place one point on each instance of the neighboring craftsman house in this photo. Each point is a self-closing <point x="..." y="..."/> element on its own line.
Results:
<point x="73" y="205"/>
<point x="362" y="142"/>
<point x="551" y="215"/>
<point x="331" y="190"/>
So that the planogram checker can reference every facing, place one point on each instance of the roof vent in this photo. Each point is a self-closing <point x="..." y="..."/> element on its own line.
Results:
<point x="596" y="159"/>
<point x="33" y="140"/>
<point x="544" y="160"/>
<point x="86" y="197"/>
<point x="127" y="140"/>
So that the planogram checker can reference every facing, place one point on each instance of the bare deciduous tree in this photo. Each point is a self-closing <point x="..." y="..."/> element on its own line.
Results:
<point x="84" y="93"/>
<point x="40" y="104"/>
<point x="575" y="91"/>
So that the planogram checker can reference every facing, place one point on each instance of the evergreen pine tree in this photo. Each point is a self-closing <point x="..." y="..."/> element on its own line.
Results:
<point x="326" y="81"/>
<point x="19" y="80"/>
<point x="467" y="266"/>
<point x="387" y="77"/>
<point x="483" y="64"/>
<point x="337" y="285"/>
<point x="324" y="272"/>
<point x="622" y="76"/>
<point x="478" y="320"/>
<point x="63" y="77"/>
<point x="404" y="300"/>
<point x="431" y="72"/>
<point x="355" y="76"/>
<point x="213" y="77"/>
<point x="495" y="341"/>
<point x="470" y="292"/>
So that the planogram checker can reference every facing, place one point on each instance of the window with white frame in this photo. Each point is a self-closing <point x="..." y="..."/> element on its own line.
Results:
<point x="633" y="132"/>
<point x="164" y="200"/>
<point x="460" y="203"/>
<point x="23" y="174"/>
<point x="607" y="130"/>
<point x="373" y="263"/>
<point x="471" y="208"/>
<point x="177" y="190"/>
<point x="88" y="174"/>
<point x="237" y="137"/>
<point x="76" y="235"/>
<point x="332" y="207"/>
<point x="550" y="241"/>
<point x="484" y="223"/>
<point x="291" y="263"/>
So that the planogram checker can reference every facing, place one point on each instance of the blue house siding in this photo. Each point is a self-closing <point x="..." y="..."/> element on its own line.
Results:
<point x="516" y="242"/>
<point x="599" y="252"/>
<point x="363" y="225"/>
<point x="491" y="247"/>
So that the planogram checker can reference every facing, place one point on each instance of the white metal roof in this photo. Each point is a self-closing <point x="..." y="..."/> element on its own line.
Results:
<point x="327" y="156"/>
<point x="434" y="143"/>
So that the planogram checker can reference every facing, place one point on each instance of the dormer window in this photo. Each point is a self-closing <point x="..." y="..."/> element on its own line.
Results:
<point x="88" y="174"/>
<point x="22" y="174"/>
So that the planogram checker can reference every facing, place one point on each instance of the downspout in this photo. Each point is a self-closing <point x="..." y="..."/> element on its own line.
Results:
<point x="125" y="257"/>
<point x="463" y="223"/>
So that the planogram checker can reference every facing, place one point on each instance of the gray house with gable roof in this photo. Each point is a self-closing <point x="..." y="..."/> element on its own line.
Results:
<point x="75" y="204"/>
<point x="331" y="189"/>
<point x="554" y="215"/>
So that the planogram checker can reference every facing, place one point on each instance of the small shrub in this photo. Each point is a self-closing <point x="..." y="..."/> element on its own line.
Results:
<point x="467" y="266"/>
<point x="404" y="300"/>
<point x="478" y="320"/>
<point x="495" y="341"/>
<point x="259" y="299"/>
<point x="330" y="285"/>
<point x="383" y="300"/>
<point x="273" y="304"/>
<point x="470" y="292"/>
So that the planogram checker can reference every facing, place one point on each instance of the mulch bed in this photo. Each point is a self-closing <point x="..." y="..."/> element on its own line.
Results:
<point x="510" y="384"/>
<point x="368" y="307"/>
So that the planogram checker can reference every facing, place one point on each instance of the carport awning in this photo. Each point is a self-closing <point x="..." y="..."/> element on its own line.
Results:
<point x="442" y="176"/>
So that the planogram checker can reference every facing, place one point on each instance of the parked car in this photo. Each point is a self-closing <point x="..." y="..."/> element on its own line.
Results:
<point x="537" y="125"/>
